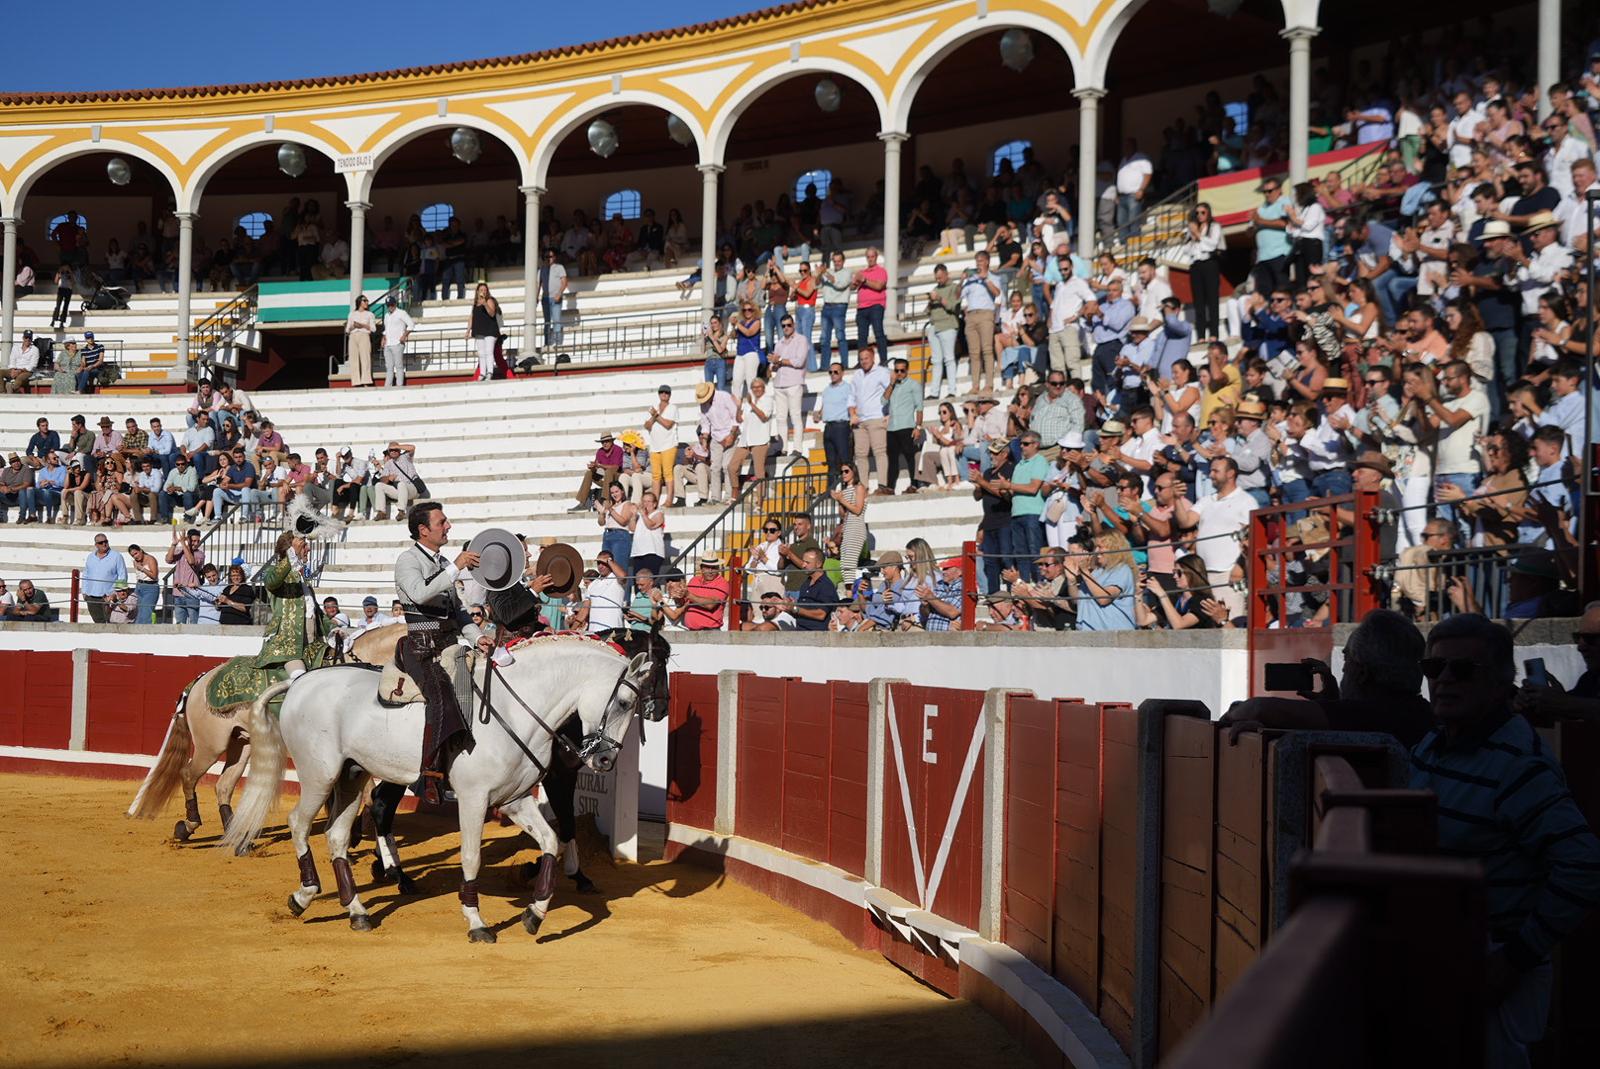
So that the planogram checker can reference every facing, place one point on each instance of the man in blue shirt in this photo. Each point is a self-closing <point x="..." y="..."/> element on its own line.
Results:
<point x="163" y="447"/>
<point x="43" y="442"/>
<point x="239" y="477"/>
<point x="898" y="599"/>
<point x="42" y="500"/>
<point x="814" y="602"/>
<point x="1108" y="331"/>
<point x="1176" y="334"/>
<point x="102" y="571"/>
<point x="1272" y="239"/>
<point x="837" y="398"/>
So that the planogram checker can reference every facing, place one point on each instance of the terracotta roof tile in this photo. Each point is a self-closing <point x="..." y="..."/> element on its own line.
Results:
<point x="766" y="14"/>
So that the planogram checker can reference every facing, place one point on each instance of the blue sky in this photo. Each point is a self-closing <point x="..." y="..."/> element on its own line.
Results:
<point x="96" y="44"/>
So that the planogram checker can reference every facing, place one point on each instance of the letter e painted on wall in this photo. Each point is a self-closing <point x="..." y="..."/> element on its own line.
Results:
<point x="929" y="712"/>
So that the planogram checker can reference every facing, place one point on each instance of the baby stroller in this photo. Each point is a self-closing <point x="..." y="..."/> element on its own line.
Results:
<point x="104" y="298"/>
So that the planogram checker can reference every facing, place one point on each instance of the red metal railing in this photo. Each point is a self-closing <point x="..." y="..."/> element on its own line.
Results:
<point x="1342" y="556"/>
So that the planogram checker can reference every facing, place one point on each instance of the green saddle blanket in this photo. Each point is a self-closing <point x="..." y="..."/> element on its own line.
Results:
<point x="241" y="681"/>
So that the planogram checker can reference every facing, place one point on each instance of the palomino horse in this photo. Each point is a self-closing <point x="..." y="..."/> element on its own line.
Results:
<point x="199" y="735"/>
<point x="335" y="721"/>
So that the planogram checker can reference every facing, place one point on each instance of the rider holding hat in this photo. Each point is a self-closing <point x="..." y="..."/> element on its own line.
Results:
<point x="425" y="583"/>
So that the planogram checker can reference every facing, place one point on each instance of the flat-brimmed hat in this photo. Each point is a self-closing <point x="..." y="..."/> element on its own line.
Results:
<point x="564" y="566"/>
<point x="13" y="459"/>
<point x="1251" y="410"/>
<point x="1141" y="325"/>
<point x="105" y="421"/>
<point x="1376" y="461"/>
<point x="604" y="438"/>
<point x="893" y="557"/>
<point x="501" y="559"/>
<point x="710" y="560"/>
<point x="703" y="392"/>
<point x="985" y="400"/>
<point x="1112" y="428"/>
<point x="1541" y="221"/>
<point x="999" y="445"/>
<point x="1495" y="228"/>
<point x="1071" y="440"/>
<point x="1335" y="383"/>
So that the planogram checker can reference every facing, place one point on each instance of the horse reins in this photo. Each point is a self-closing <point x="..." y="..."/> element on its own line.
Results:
<point x="487" y="710"/>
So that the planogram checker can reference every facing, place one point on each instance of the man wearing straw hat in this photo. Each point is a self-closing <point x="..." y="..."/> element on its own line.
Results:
<point x="1538" y="267"/>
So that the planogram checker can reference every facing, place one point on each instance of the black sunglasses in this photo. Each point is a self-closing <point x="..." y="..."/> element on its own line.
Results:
<point x="1459" y="667"/>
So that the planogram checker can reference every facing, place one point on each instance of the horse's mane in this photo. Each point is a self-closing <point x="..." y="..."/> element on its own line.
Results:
<point x="572" y="638"/>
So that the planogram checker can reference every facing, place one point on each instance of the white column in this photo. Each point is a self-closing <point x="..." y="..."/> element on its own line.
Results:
<point x="1549" y="60"/>
<point x="8" y="291"/>
<point x="358" y="246"/>
<point x="708" y="236"/>
<point x="530" y="266"/>
<point x="1299" y="38"/>
<point x="185" y="283"/>
<point x="892" y="140"/>
<point x="1088" y="159"/>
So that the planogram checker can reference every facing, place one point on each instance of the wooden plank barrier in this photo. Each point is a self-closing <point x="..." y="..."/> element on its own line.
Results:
<point x="36" y="700"/>
<point x="692" y="750"/>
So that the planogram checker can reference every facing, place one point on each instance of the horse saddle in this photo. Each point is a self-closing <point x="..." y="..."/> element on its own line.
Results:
<point x="396" y="688"/>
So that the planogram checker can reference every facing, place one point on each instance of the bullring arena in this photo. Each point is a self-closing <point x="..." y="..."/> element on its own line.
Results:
<point x="862" y="772"/>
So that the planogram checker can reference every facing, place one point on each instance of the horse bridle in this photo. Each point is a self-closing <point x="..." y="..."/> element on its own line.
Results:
<point x="597" y="751"/>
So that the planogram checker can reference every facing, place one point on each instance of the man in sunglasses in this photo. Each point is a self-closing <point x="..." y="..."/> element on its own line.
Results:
<point x="1270" y="222"/>
<point x="1503" y="801"/>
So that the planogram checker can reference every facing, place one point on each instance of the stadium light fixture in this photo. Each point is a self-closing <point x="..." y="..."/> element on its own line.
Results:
<point x="291" y="159"/>
<point x="829" y="95"/>
<point x="679" y="131"/>
<point x="1016" y="49"/>
<point x="464" y="144"/>
<point x="602" y="139"/>
<point x="118" y="171"/>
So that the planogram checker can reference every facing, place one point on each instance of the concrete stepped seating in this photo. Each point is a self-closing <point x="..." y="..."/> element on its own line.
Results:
<point x="503" y="455"/>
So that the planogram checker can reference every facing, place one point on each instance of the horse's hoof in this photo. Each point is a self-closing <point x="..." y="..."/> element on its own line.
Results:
<point x="295" y="907"/>
<point x="242" y="850"/>
<point x="584" y="884"/>
<point x="407" y="885"/>
<point x="360" y="922"/>
<point x="181" y="831"/>
<point x="531" y="921"/>
<point x="227" y="816"/>
<point x="480" y="935"/>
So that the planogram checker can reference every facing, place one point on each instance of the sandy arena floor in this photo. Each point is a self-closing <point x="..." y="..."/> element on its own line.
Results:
<point x="121" y="947"/>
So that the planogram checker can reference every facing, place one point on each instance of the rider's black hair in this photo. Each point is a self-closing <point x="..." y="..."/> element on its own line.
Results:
<point x="417" y="516"/>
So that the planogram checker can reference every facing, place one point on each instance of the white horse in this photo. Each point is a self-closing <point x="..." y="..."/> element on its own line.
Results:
<point x="332" y="720"/>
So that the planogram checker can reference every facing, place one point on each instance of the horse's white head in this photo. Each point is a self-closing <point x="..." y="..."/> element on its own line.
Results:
<point x="603" y="732"/>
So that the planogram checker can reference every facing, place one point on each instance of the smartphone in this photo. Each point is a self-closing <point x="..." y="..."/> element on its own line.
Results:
<point x="1533" y="672"/>
<point x="1289" y="677"/>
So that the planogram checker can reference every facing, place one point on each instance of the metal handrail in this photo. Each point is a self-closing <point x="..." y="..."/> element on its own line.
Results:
<point x="730" y="531"/>
<point x="1152" y="233"/>
<point x="218" y="329"/>
<point x="252" y="541"/>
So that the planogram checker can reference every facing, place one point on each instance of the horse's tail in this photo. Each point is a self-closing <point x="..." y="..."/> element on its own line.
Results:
<point x="165" y="774"/>
<point x="268" y="761"/>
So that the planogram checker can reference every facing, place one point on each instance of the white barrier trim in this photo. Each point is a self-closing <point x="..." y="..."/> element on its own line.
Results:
<point x="1075" y="1030"/>
<point x="99" y="757"/>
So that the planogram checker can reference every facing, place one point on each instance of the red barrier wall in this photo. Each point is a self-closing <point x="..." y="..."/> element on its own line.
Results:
<point x="36" y="699"/>
<point x="1119" y="868"/>
<point x="932" y="760"/>
<point x="1076" y="906"/>
<point x="758" y="805"/>
<point x="132" y="697"/>
<point x="847" y="779"/>
<point x="692" y="750"/>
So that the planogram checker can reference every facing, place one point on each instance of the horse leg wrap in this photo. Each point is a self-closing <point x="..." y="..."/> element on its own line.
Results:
<point x="227" y="815"/>
<point x="191" y="810"/>
<point x="308" y="871"/>
<point x="345" y="879"/>
<point x="469" y="893"/>
<point x="544" y="879"/>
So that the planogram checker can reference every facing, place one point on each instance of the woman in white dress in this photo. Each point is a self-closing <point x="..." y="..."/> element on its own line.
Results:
<point x="755" y="435"/>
